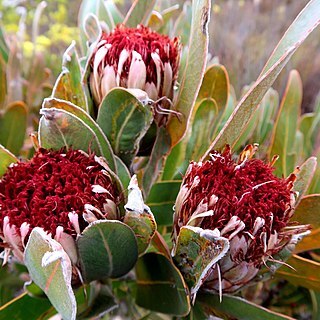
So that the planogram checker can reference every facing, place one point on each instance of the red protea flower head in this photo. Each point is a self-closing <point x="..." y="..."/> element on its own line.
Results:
<point x="243" y="202"/>
<point x="59" y="191"/>
<point x="136" y="58"/>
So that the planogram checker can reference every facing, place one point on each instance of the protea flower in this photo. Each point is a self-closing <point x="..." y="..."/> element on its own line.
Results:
<point x="59" y="191"/>
<point x="136" y="58"/>
<point x="245" y="205"/>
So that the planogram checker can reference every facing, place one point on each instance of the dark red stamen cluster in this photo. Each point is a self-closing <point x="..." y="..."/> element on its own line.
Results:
<point x="145" y="41"/>
<point x="45" y="189"/>
<point x="239" y="194"/>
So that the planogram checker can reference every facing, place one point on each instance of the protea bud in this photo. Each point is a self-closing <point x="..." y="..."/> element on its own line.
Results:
<point x="136" y="58"/>
<point x="243" y="209"/>
<point x="61" y="192"/>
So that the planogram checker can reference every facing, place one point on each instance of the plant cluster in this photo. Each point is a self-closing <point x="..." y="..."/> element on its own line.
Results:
<point x="153" y="192"/>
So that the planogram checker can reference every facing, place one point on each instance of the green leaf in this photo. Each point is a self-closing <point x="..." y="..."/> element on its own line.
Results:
<point x="3" y="83"/>
<point x="50" y="268"/>
<point x="4" y="49"/>
<point x="14" y="76"/>
<point x="33" y="290"/>
<point x="161" y="200"/>
<point x="304" y="177"/>
<point x="35" y="79"/>
<point x="124" y="120"/>
<point x="305" y="273"/>
<point x="307" y="127"/>
<point x="114" y="12"/>
<point x="13" y="126"/>
<point x="182" y="27"/>
<point x="247" y="133"/>
<point x="215" y="85"/>
<point x="65" y="124"/>
<point x="6" y="158"/>
<point x="193" y="72"/>
<point x="11" y="282"/>
<point x="283" y="137"/>
<point x="160" y="150"/>
<point x="315" y="298"/>
<point x="196" y="253"/>
<point x="307" y="212"/>
<point x="139" y="13"/>
<point x="239" y="308"/>
<point x="24" y="307"/>
<point x="139" y="216"/>
<point x="88" y="28"/>
<point x="315" y="182"/>
<point x="160" y="286"/>
<point x="305" y="23"/>
<point x="266" y="117"/>
<point x="69" y="84"/>
<point x="122" y="172"/>
<point x="203" y="124"/>
<point x="176" y="162"/>
<point x="241" y="115"/>
<point x="100" y="301"/>
<point x="206" y="118"/>
<point x="115" y="250"/>
<point x="144" y="227"/>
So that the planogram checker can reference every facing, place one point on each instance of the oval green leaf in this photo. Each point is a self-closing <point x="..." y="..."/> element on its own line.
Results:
<point x="115" y="250"/>
<point x="124" y="120"/>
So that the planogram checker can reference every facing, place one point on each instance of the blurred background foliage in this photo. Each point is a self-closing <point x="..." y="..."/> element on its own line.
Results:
<point x="243" y="35"/>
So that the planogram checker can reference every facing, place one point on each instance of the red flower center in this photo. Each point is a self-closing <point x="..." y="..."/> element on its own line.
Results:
<point x="52" y="184"/>
<point x="246" y="190"/>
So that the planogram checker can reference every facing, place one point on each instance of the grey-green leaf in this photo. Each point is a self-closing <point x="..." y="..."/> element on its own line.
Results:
<point x="64" y="124"/>
<point x="124" y="120"/>
<point x="13" y="125"/>
<point x="283" y="137"/>
<point x="304" y="24"/>
<point x="239" y="308"/>
<point x="50" y="268"/>
<point x="194" y="69"/>
<point x="161" y="200"/>
<point x="139" y="13"/>
<point x="107" y="249"/>
<point x="6" y="158"/>
<point x="69" y="84"/>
